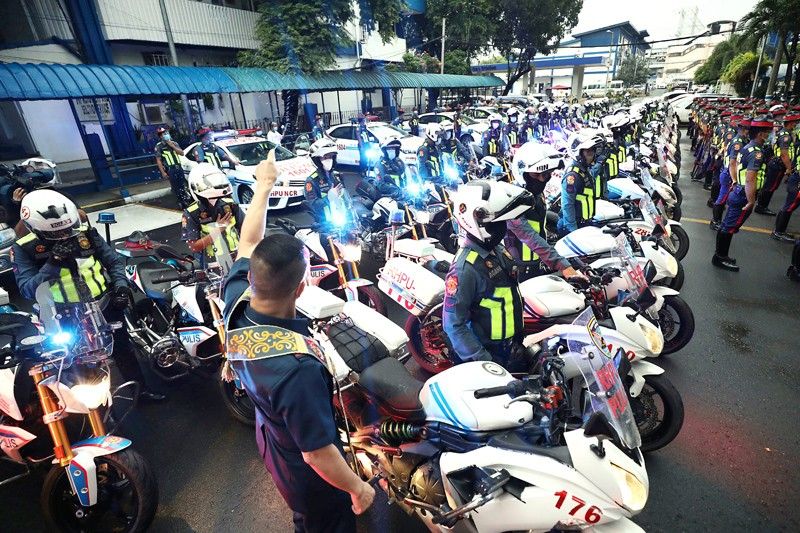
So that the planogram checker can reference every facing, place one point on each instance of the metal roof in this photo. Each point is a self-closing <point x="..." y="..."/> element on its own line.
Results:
<point x="53" y="81"/>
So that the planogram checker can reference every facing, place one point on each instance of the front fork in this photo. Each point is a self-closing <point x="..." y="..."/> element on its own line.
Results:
<point x="54" y="418"/>
<point x="339" y="262"/>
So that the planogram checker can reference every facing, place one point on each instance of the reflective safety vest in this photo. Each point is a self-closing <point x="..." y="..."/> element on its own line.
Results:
<point x="741" y="179"/>
<point x="513" y="136"/>
<point x="493" y="146"/>
<point x="167" y="155"/>
<point x="231" y="235"/>
<point x="622" y="154"/>
<point x="212" y="157"/>
<point x="526" y="254"/>
<point x="65" y="289"/>
<point x="502" y="311"/>
<point x="613" y="165"/>
<point x="585" y="198"/>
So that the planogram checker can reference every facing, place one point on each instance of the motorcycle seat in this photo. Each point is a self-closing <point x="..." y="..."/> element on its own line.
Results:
<point x="148" y="272"/>
<point x="394" y="387"/>
<point x="513" y="442"/>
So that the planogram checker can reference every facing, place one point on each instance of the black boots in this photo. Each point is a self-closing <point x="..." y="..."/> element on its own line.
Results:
<point x="716" y="216"/>
<point x="721" y="258"/>
<point x="762" y="205"/>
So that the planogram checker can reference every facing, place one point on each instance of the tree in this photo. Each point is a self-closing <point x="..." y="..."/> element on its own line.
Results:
<point x="710" y="71"/>
<point x="456" y="62"/>
<point x="423" y="62"/>
<point x="526" y="28"/>
<point x="741" y="71"/>
<point x="470" y="24"/>
<point x="782" y="17"/>
<point x="301" y="37"/>
<point x="633" y="70"/>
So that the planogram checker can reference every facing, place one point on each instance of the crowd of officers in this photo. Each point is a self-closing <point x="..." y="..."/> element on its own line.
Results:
<point x="744" y="151"/>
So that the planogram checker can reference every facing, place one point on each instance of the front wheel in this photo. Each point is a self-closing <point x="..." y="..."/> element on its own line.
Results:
<point x="245" y="194"/>
<point x="126" y="502"/>
<point x="678" y="194"/>
<point x="372" y="297"/>
<point x="239" y="404"/>
<point x="675" y="283"/>
<point x="658" y="411"/>
<point x="427" y="342"/>
<point x="680" y="240"/>
<point x="676" y="213"/>
<point x="677" y="324"/>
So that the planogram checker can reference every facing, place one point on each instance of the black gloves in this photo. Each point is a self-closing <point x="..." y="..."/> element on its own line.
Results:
<point x="122" y="297"/>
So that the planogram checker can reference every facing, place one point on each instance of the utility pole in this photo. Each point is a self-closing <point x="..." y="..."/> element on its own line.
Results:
<point x="174" y="55"/>
<point x="441" y="65"/>
<point x="776" y="65"/>
<point x="758" y="65"/>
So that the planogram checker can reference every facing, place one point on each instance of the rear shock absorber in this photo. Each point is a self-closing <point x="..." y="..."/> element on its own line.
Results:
<point x="397" y="432"/>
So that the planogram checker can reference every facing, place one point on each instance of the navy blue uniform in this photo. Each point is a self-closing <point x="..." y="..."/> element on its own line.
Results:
<point x="494" y="142"/>
<point x="210" y="153"/>
<point x="528" y="131"/>
<point x="577" y="198"/>
<point x="318" y="185"/>
<point x="511" y="132"/>
<point x="391" y="176"/>
<point x="317" y="133"/>
<point x="294" y="414"/>
<point x="413" y="126"/>
<point x="482" y="312"/>
<point x="751" y="158"/>
<point x="429" y="160"/>
<point x="172" y="165"/>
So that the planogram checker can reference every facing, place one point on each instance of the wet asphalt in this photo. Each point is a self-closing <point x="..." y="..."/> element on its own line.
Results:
<point x="732" y="468"/>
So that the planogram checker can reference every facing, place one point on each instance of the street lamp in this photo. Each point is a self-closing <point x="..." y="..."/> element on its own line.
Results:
<point x="608" y="61"/>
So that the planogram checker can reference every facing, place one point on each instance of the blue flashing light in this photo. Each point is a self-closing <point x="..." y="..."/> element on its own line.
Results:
<point x="62" y="338"/>
<point x="413" y="188"/>
<point x="373" y="154"/>
<point x="338" y="219"/>
<point x="451" y="173"/>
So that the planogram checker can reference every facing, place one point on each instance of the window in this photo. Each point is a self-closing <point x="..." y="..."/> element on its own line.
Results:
<point x="156" y="59"/>
<point x="153" y="113"/>
<point x="343" y="132"/>
<point x="427" y="119"/>
<point x="191" y="155"/>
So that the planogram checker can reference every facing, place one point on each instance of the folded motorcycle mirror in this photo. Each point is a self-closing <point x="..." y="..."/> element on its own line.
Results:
<point x="649" y="271"/>
<point x="599" y="427"/>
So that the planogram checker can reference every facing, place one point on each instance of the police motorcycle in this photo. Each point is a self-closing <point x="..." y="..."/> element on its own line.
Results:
<point x="55" y="382"/>
<point x="334" y="266"/>
<point x="473" y="449"/>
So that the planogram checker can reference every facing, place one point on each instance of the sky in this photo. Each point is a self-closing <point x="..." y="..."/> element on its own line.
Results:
<point x="660" y="18"/>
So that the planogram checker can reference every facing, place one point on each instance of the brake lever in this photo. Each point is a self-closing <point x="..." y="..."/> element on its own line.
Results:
<point x="530" y="397"/>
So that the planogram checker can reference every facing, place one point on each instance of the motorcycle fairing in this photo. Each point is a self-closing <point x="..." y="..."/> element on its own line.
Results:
<point x="12" y="438"/>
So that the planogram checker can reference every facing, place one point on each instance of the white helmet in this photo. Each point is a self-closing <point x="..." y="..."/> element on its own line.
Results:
<point x="433" y="130"/>
<point x="494" y="117"/>
<point x="606" y="134"/>
<point x="512" y="114"/>
<point x="321" y="148"/>
<point x="50" y="215"/>
<point x="583" y="140"/>
<point x="209" y="182"/>
<point x="482" y="207"/>
<point x="534" y="157"/>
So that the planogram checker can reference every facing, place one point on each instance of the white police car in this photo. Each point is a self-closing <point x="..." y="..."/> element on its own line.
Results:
<point x="250" y="150"/>
<point x="345" y="137"/>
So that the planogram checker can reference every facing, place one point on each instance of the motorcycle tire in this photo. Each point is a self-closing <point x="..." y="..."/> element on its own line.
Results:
<point x="671" y="419"/>
<point x="678" y="194"/>
<point x="677" y="213"/>
<point x="373" y="298"/>
<point x="680" y="239"/>
<point x="675" y="283"/>
<point x="123" y="470"/>
<point x="239" y="405"/>
<point x="429" y="361"/>
<point x="677" y="324"/>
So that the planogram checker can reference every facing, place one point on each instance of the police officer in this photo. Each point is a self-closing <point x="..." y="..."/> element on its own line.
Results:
<point x="168" y="161"/>
<point x="288" y="382"/>
<point x="577" y="185"/>
<point x="748" y="181"/>
<point x="15" y="183"/>
<point x="793" y="183"/>
<point x="511" y="129"/>
<point x="390" y="173"/>
<point x="494" y="142"/>
<point x="366" y="159"/>
<point x="413" y="124"/>
<point x="528" y="130"/>
<point x="318" y="131"/>
<point x="532" y="168"/>
<point x="324" y="178"/>
<point x="779" y="163"/>
<point x="213" y="211"/>
<point x="57" y="245"/>
<point x="729" y="168"/>
<point x="209" y="152"/>
<point x="429" y="163"/>
<point x="482" y="313"/>
<point x="450" y="144"/>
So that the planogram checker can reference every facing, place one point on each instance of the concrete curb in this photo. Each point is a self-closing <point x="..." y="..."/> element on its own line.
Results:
<point x="149" y="195"/>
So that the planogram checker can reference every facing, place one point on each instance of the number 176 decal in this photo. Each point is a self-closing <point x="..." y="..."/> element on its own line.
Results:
<point x="574" y="506"/>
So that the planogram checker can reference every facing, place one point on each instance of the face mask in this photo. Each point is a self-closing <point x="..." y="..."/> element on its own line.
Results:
<point x="448" y="135"/>
<point x="166" y="137"/>
<point x="327" y="164"/>
<point x="391" y="154"/>
<point x="534" y="185"/>
<point x="513" y="120"/>
<point x="495" y="125"/>
<point x="531" y="118"/>
<point x="497" y="230"/>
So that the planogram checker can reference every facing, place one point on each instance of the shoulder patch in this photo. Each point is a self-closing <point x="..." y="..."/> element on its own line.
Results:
<point x="184" y="221"/>
<point x="309" y="186"/>
<point x="737" y="146"/>
<point x="570" y="179"/>
<point x="759" y="154"/>
<point x="451" y="285"/>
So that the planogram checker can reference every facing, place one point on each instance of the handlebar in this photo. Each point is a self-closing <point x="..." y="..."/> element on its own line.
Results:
<point x="515" y="388"/>
<point x="182" y="277"/>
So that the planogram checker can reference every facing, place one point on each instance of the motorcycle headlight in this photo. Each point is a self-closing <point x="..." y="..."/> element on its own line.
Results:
<point x="634" y="492"/>
<point x="92" y="395"/>
<point x="351" y="252"/>
<point x="653" y="336"/>
<point x="7" y="237"/>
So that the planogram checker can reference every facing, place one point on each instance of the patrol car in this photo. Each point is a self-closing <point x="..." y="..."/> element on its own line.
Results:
<point x="344" y="135"/>
<point x="251" y="149"/>
<point x="471" y="129"/>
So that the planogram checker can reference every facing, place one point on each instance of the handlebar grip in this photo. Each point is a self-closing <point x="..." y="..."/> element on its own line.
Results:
<point x="494" y="391"/>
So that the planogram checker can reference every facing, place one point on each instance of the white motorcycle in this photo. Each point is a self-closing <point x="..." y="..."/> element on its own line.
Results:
<point x="473" y="449"/>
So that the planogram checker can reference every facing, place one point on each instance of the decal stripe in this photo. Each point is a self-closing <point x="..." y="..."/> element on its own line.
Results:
<point x="444" y="406"/>
<point x="572" y="246"/>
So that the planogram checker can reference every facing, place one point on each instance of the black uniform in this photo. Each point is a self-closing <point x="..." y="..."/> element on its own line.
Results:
<point x="172" y="164"/>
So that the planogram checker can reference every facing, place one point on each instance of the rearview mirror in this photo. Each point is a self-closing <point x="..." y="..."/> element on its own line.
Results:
<point x="646" y="299"/>
<point x="599" y="426"/>
<point x="649" y="271"/>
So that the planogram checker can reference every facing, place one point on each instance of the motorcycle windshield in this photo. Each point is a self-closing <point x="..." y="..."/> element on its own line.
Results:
<point x="651" y="213"/>
<point x="647" y="179"/>
<point x="75" y="323"/>
<point x="607" y="395"/>
<point x="630" y="269"/>
<point x="662" y="161"/>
